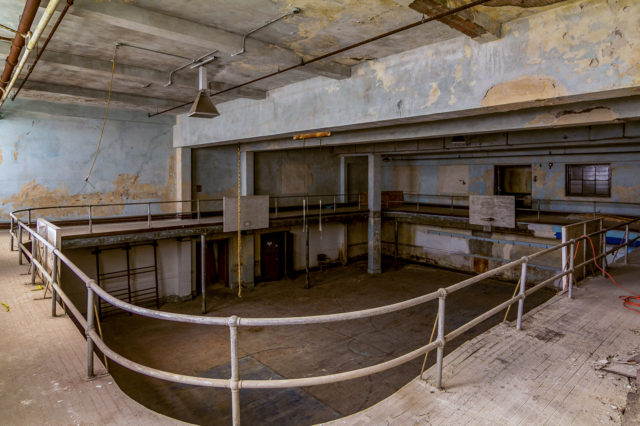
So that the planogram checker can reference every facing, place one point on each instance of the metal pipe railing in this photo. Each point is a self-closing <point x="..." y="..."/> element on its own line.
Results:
<point x="235" y="383"/>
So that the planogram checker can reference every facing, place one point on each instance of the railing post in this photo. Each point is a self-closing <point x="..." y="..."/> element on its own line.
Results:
<point x="90" y="220"/>
<point x="29" y="218"/>
<point x="571" y="260"/>
<point x="523" y="285"/>
<point x="203" y="273"/>
<point x="198" y="210"/>
<point x="148" y="215"/>
<point x="90" y="327"/>
<point x="334" y="205"/>
<point x="441" y="342"/>
<point x="538" y="210"/>
<point x="33" y="258"/>
<point x="54" y="281"/>
<point x="603" y="245"/>
<point x="276" y="200"/>
<point x="417" y="202"/>
<point x="235" y="377"/>
<point x="19" y="244"/>
<point x="626" y="244"/>
<point x="11" y="232"/>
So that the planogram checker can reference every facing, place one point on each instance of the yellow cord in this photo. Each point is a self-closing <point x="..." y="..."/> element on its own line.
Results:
<point x="106" y="114"/>
<point x="426" y="355"/>
<point x="239" y="232"/>
<point x="514" y="295"/>
<point x="95" y="311"/>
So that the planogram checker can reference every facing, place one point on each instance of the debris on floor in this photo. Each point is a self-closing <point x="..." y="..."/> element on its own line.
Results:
<point x="6" y="307"/>
<point x="626" y="366"/>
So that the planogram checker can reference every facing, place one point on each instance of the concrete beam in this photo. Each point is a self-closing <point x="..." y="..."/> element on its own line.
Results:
<point x="477" y="25"/>
<point x="66" y="94"/>
<point x="194" y="34"/>
<point x="132" y="72"/>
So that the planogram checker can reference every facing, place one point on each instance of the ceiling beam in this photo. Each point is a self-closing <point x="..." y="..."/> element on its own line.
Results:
<point x="471" y="22"/>
<point x="75" y="94"/>
<point x="139" y="74"/>
<point x="193" y="34"/>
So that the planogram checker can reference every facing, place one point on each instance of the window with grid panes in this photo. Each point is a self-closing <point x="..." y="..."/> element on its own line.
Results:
<point x="588" y="180"/>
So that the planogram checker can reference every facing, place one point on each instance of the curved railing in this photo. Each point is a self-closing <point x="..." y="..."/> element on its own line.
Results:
<point x="235" y="382"/>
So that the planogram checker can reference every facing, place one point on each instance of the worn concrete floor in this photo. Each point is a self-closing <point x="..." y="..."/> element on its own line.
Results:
<point x="550" y="373"/>
<point x="297" y="351"/>
<point x="43" y="363"/>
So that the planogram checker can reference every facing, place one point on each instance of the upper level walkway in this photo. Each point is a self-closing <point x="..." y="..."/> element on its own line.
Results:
<point x="548" y="373"/>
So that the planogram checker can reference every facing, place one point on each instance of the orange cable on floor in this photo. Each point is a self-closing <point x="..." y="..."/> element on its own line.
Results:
<point x="628" y="302"/>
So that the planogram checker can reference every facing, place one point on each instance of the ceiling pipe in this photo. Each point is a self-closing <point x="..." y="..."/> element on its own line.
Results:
<point x="33" y="41"/>
<point x="44" y="46"/>
<point x="28" y="15"/>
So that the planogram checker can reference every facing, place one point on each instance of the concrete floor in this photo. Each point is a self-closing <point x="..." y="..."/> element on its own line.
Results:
<point x="43" y="363"/>
<point x="297" y="351"/>
<point x="550" y="373"/>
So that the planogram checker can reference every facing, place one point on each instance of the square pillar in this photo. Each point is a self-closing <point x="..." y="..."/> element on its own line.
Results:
<point x="246" y="172"/>
<point x="183" y="179"/>
<point x="343" y="179"/>
<point x="374" y="265"/>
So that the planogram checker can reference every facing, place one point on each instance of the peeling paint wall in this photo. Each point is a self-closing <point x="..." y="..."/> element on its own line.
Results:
<point x="575" y="51"/>
<point x="47" y="157"/>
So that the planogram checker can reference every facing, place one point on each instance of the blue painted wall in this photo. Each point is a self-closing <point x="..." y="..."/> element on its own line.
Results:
<point x="46" y="151"/>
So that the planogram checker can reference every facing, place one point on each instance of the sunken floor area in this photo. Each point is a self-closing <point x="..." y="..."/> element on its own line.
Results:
<point x="298" y="351"/>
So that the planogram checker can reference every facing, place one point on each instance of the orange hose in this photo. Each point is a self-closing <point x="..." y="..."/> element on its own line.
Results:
<point x="628" y="302"/>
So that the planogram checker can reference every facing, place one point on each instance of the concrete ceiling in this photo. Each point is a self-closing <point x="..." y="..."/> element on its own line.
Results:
<point x="76" y="66"/>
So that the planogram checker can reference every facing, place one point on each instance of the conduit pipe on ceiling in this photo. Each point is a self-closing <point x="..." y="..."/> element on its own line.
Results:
<point x="42" y="24"/>
<point x="43" y="48"/>
<point x="28" y="15"/>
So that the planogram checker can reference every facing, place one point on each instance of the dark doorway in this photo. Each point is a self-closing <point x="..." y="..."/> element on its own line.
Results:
<point x="216" y="263"/>
<point x="516" y="181"/>
<point x="272" y="256"/>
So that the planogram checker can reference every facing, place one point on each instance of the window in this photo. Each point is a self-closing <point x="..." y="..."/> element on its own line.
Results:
<point x="589" y="180"/>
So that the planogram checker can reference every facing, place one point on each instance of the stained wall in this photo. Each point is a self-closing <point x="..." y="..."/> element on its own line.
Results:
<point x="46" y="151"/>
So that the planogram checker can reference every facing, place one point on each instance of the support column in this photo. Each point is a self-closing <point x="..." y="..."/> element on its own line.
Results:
<point x="343" y="179"/>
<point x="246" y="172"/>
<point x="183" y="179"/>
<point x="375" y="216"/>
